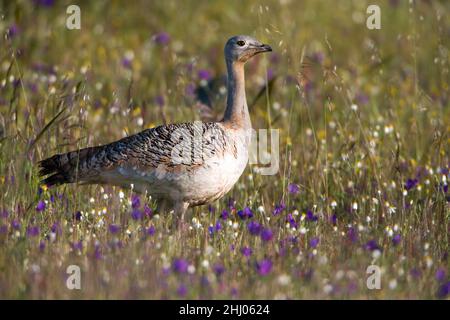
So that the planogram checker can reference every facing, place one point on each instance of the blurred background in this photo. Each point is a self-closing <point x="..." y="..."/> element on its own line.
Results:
<point x="363" y="115"/>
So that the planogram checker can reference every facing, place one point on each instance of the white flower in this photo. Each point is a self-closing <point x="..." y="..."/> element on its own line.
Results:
<point x="393" y="284"/>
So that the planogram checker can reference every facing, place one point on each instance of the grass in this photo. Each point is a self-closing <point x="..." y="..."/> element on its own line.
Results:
<point x="364" y="134"/>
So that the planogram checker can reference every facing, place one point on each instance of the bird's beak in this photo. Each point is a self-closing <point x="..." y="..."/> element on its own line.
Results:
<point x="263" y="48"/>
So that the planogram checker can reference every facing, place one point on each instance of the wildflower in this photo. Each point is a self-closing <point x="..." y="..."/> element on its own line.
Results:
<point x="148" y="212"/>
<point x="182" y="290"/>
<point x="33" y="231"/>
<point x="77" y="245"/>
<point x="411" y="183"/>
<point x="440" y="274"/>
<point x="247" y="213"/>
<point x="42" y="245"/>
<point x="291" y="220"/>
<point x="443" y="290"/>
<point x="204" y="74"/>
<point x="246" y="251"/>
<point x="77" y="216"/>
<point x="218" y="225"/>
<point x="151" y="230"/>
<point x="218" y="269"/>
<point x="40" y="206"/>
<point x="310" y="216"/>
<point x="126" y="62"/>
<point x="254" y="227"/>
<point x="352" y="234"/>
<point x="15" y="224"/>
<point x="3" y="229"/>
<point x="135" y="201"/>
<point x="180" y="265"/>
<point x="224" y="215"/>
<point x="372" y="245"/>
<point x="396" y="239"/>
<point x="333" y="219"/>
<point x="136" y="214"/>
<point x="160" y="101"/>
<point x="293" y="188"/>
<point x="278" y="209"/>
<point x="314" y="242"/>
<point x="266" y="234"/>
<point x="161" y="38"/>
<point x="12" y="31"/>
<point x="114" y="228"/>
<point x="264" y="267"/>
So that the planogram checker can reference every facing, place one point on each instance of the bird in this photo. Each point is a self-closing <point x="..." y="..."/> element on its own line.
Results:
<point x="180" y="165"/>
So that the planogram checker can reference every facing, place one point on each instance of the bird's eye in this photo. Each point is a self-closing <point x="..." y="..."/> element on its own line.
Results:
<point x="241" y="43"/>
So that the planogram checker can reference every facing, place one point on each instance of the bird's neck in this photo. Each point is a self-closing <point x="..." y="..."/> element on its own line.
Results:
<point x="236" y="113"/>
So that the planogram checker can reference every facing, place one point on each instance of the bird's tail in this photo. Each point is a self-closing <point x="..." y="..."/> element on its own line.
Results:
<point x="69" y="167"/>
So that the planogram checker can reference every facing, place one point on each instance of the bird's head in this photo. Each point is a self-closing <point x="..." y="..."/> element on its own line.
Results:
<point x="242" y="48"/>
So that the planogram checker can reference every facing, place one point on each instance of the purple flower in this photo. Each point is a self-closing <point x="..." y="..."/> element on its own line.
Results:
<point x="33" y="231"/>
<point x="333" y="219"/>
<point x="266" y="234"/>
<point x="396" y="239"/>
<point x="12" y="31"/>
<point x="245" y="214"/>
<point x="4" y="214"/>
<point x="352" y="234"/>
<point x="44" y="3"/>
<point x="211" y="230"/>
<point x="246" y="251"/>
<point x="135" y="201"/>
<point x="182" y="290"/>
<point x="77" y="215"/>
<point x="264" y="267"/>
<point x="372" y="245"/>
<point x="314" y="242"/>
<point x="56" y="228"/>
<point x="443" y="290"/>
<point x="180" y="265"/>
<point x="3" y="229"/>
<point x="291" y="220"/>
<point x="218" y="225"/>
<point x="40" y="206"/>
<point x="278" y="209"/>
<point x="114" y="228"/>
<point x="126" y="63"/>
<point x="440" y="274"/>
<point x="160" y="101"/>
<point x="15" y="224"/>
<point x="415" y="273"/>
<point x="42" y="245"/>
<point x="411" y="183"/>
<point x="151" y="230"/>
<point x="293" y="188"/>
<point x="362" y="98"/>
<point x="224" y="215"/>
<point x="254" y="227"/>
<point x="310" y="216"/>
<point x="190" y="90"/>
<point x="218" y="269"/>
<point x="204" y="74"/>
<point x="136" y="214"/>
<point x="77" y="245"/>
<point x="161" y="38"/>
<point x="148" y="212"/>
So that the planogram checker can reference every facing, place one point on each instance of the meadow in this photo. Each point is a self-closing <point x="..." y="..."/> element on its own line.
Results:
<point x="364" y="123"/>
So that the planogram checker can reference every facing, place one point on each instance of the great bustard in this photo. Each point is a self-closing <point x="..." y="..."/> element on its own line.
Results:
<point x="185" y="164"/>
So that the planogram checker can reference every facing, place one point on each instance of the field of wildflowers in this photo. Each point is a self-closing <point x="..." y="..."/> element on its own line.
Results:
<point x="364" y="124"/>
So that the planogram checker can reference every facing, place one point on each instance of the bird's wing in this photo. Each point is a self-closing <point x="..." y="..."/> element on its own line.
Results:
<point x="173" y="147"/>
